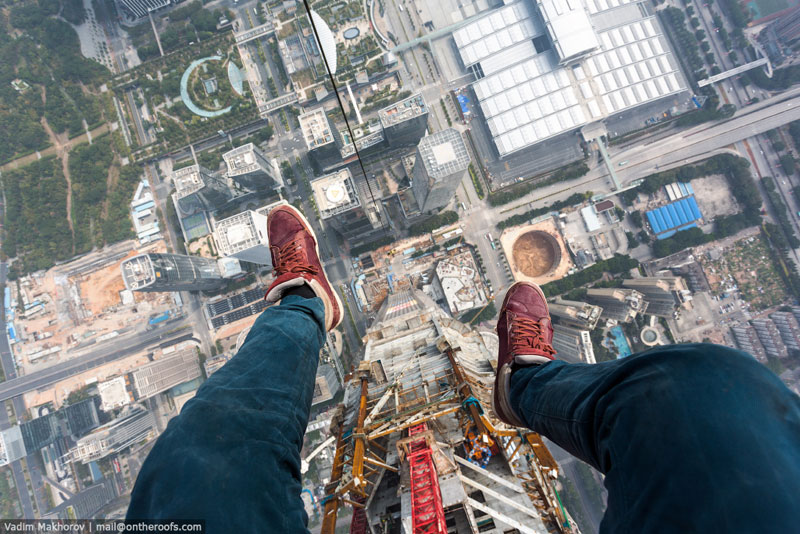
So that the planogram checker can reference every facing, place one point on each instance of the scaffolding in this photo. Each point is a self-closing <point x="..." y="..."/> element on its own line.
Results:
<point x="414" y="443"/>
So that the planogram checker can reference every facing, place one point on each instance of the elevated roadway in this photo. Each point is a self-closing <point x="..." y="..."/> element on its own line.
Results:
<point x="19" y="385"/>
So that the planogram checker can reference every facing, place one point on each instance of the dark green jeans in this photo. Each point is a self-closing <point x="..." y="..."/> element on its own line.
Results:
<point x="691" y="438"/>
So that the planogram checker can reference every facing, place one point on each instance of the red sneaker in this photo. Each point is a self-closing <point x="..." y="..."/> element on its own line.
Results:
<point x="295" y="258"/>
<point x="526" y="336"/>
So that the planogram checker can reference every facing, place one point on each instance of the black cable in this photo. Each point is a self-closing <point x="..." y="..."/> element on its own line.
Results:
<point x="341" y="106"/>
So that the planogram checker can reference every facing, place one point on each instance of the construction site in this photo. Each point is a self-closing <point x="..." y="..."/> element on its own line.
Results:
<point x="537" y="251"/>
<point x="53" y="316"/>
<point x="416" y="447"/>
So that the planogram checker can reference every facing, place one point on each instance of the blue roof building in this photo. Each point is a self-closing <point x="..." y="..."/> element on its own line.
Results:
<point x="675" y="216"/>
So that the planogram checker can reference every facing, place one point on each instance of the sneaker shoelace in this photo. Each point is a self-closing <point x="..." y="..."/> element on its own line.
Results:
<point x="527" y="337"/>
<point x="290" y="258"/>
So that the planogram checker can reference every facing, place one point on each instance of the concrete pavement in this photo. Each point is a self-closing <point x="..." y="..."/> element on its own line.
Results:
<point x="19" y="385"/>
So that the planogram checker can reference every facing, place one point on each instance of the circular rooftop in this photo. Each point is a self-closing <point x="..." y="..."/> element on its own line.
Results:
<point x="351" y="33"/>
<point x="649" y="336"/>
<point x="335" y="193"/>
<point x="536" y="253"/>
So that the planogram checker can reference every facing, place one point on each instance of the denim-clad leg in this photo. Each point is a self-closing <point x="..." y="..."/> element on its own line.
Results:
<point x="691" y="438"/>
<point x="232" y="456"/>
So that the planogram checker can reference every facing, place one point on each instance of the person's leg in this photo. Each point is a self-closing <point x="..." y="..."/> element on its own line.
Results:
<point x="232" y="456"/>
<point x="691" y="438"/>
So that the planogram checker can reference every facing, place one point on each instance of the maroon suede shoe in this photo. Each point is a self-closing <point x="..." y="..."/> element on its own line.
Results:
<point x="526" y="337"/>
<point x="295" y="258"/>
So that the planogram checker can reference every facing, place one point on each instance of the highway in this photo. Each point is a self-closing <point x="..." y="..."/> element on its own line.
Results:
<point x="665" y="152"/>
<point x="7" y="361"/>
<point x="20" y="385"/>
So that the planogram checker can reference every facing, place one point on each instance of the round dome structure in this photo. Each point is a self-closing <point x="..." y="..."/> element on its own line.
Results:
<point x="649" y="336"/>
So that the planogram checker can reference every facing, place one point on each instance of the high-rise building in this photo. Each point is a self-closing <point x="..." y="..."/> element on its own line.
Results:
<point x="12" y="446"/>
<point x="770" y="337"/>
<point x="369" y="139"/>
<point x="460" y="281"/>
<point x="787" y="27"/>
<point x="663" y="294"/>
<point x="244" y="237"/>
<point x="404" y="122"/>
<point x="250" y="168"/>
<point x="440" y="457"/>
<point x="573" y="344"/>
<point x="747" y="340"/>
<point x="198" y="189"/>
<point x="326" y="384"/>
<point x="788" y="328"/>
<point x="576" y="314"/>
<point x="165" y="373"/>
<point x="86" y="503"/>
<point x="618" y="304"/>
<point x="171" y="272"/>
<point x="321" y="139"/>
<point x="345" y="204"/>
<point x="440" y="165"/>
<point x="74" y="420"/>
<point x="135" y="425"/>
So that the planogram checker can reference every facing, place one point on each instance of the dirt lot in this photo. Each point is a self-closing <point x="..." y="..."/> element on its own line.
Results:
<point x="714" y="197"/>
<point x="100" y="289"/>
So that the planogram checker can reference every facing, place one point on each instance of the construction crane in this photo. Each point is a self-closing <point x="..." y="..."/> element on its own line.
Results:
<point x="361" y="457"/>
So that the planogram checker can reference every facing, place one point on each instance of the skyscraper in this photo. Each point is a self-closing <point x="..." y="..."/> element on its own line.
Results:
<point x="404" y="122"/>
<point x="326" y="384"/>
<point x="171" y="272"/>
<point x="320" y="137"/>
<point x="770" y="337"/>
<point x="788" y="328"/>
<point x="198" y="189"/>
<point x="345" y="204"/>
<point x="244" y="236"/>
<point x="12" y="446"/>
<point x="663" y="294"/>
<point x="369" y="140"/>
<point x="441" y="163"/>
<point x="576" y="314"/>
<point x="420" y="454"/>
<point x="250" y="168"/>
<point x="787" y="28"/>
<point x="619" y="304"/>
<point x="572" y="344"/>
<point x="165" y="373"/>
<point x="134" y="425"/>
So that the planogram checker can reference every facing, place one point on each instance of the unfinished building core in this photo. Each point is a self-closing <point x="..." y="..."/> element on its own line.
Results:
<point x="417" y="449"/>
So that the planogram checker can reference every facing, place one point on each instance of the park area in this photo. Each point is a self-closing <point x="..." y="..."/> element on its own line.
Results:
<point x="748" y="266"/>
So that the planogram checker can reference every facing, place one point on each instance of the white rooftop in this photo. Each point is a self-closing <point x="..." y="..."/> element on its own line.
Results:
<point x="335" y="193"/>
<point x="243" y="159"/>
<point x="527" y="95"/>
<point x="569" y="27"/>
<point x="316" y="128"/>
<point x="113" y="394"/>
<point x="443" y="153"/>
<point x="189" y="179"/>
<point x="240" y="232"/>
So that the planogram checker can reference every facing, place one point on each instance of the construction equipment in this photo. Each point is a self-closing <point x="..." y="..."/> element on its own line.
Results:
<point x="413" y="418"/>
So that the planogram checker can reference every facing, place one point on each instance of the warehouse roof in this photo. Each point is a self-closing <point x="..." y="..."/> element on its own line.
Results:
<point x="618" y="59"/>
<point x="675" y="216"/>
